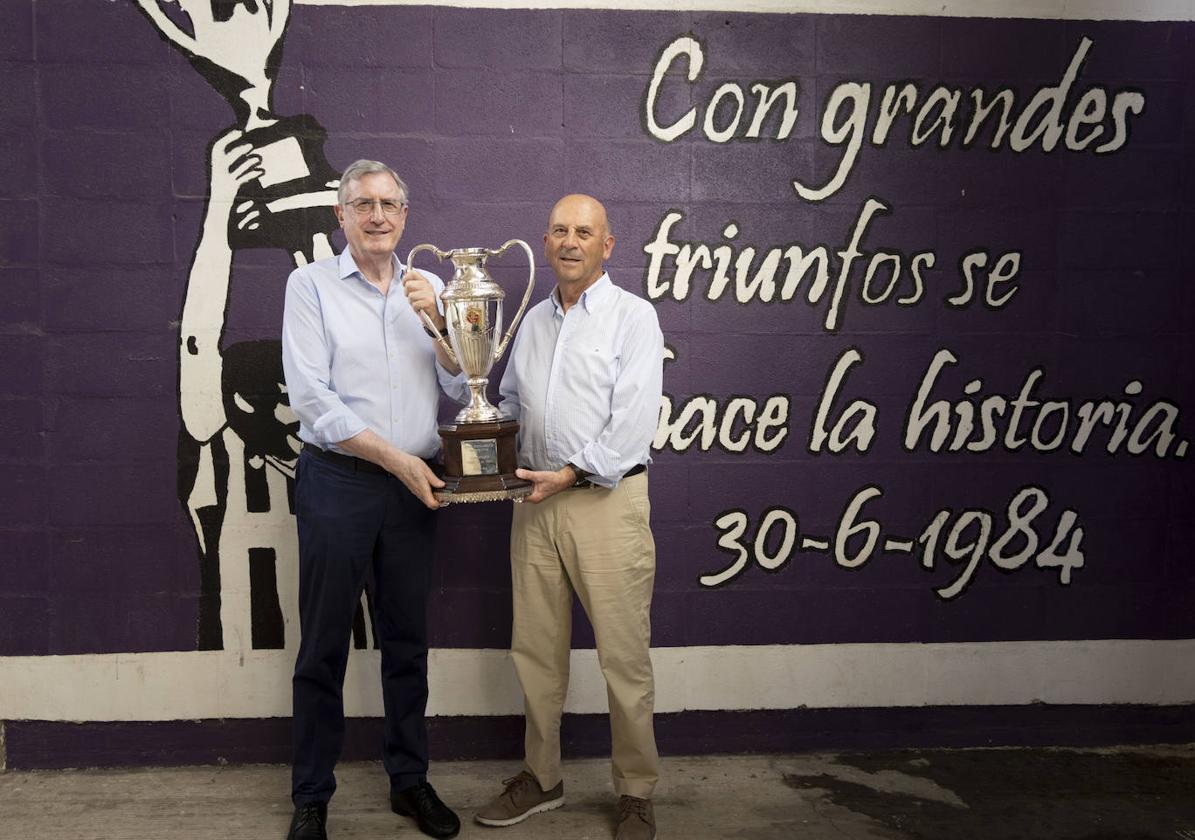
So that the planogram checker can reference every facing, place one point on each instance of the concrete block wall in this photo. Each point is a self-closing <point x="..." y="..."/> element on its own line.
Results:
<point x="105" y="563"/>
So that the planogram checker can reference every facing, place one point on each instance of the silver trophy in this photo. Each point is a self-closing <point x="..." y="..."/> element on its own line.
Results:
<point x="480" y="453"/>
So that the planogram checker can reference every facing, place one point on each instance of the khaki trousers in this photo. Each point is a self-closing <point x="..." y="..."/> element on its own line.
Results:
<point x="597" y="543"/>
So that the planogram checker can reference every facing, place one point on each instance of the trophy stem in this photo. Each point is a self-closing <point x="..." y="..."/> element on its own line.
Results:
<point x="259" y="115"/>
<point x="479" y="409"/>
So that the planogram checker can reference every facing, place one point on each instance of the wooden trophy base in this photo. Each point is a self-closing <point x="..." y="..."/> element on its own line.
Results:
<point x="479" y="463"/>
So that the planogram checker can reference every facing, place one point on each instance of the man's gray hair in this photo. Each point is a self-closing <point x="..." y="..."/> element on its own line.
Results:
<point x="359" y="169"/>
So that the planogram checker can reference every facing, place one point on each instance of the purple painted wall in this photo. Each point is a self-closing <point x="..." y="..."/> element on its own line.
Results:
<point x="491" y="115"/>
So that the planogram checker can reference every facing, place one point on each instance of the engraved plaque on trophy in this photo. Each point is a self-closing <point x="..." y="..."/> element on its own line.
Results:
<point x="480" y="454"/>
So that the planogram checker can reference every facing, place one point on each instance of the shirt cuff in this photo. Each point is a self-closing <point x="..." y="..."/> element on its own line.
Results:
<point x="601" y="463"/>
<point x="337" y="425"/>
<point x="456" y="386"/>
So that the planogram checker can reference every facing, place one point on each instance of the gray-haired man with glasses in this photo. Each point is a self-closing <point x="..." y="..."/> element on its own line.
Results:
<point x="364" y="379"/>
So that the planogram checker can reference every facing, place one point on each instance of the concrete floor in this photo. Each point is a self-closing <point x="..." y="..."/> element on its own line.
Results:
<point x="1058" y="794"/>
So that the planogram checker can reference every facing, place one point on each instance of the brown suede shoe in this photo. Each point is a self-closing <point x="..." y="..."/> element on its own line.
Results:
<point x="522" y="798"/>
<point x="636" y="819"/>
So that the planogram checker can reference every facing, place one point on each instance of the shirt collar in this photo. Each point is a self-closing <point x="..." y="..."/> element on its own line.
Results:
<point x="347" y="266"/>
<point x="592" y="299"/>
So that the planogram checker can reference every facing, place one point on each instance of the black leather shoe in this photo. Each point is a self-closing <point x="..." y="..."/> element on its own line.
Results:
<point x="420" y="801"/>
<point x="308" y="822"/>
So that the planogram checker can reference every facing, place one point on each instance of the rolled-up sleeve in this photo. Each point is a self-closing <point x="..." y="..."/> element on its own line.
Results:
<point x="634" y="403"/>
<point x="307" y="365"/>
<point x="455" y="387"/>
<point x="508" y="388"/>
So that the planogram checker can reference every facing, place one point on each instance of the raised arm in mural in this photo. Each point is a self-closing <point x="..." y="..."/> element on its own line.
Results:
<point x="270" y="187"/>
<point x="239" y="444"/>
<point x="232" y="164"/>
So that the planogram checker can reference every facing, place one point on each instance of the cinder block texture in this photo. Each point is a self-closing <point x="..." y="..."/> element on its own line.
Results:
<point x="931" y="349"/>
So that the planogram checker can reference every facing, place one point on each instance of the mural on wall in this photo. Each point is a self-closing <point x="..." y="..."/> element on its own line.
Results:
<point x="270" y="187"/>
<point x="922" y="281"/>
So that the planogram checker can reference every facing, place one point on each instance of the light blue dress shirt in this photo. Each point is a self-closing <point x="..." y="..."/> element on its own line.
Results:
<point x="356" y="359"/>
<point x="585" y="384"/>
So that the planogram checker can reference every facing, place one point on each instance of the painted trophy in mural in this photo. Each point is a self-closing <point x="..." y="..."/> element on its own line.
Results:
<point x="237" y="46"/>
<point x="480" y="452"/>
<point x="270" y="186"/>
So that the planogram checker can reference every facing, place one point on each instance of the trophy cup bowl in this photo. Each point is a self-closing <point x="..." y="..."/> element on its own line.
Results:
<point x="480" y="451"/>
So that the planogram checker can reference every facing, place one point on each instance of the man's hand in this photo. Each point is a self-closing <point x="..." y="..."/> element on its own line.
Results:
<point x="234" y="163"/>
<point x="546" y="483"/>
<point x="416" y="475"/>
<point x="422" y="296"/>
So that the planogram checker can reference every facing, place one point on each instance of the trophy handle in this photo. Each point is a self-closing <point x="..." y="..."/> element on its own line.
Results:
<point x="431" y="325"/>
<point x="172" y="31"/>
<point x="514" y="322"/>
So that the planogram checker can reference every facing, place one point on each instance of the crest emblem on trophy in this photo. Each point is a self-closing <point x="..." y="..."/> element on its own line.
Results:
<point x="480" y="454"/>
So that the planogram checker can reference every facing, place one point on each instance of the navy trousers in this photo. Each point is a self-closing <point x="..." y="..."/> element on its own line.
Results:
<point x="351" y="522"/>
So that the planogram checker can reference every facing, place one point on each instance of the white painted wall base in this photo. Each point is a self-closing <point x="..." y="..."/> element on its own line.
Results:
<point x="218" y="684"/>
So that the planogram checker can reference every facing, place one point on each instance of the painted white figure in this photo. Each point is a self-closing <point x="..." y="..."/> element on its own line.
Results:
<point x="239" y="444"/>
<point x="271" y="187"/>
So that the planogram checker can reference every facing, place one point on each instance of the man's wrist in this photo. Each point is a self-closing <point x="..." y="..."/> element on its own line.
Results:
<point x="580" y="476"/>
<point x="442" y="329"/>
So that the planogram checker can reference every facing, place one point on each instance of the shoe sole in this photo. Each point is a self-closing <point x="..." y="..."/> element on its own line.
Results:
<point x="550" y="805"/>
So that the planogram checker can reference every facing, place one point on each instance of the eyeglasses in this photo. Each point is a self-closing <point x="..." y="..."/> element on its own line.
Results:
<point x="364" y="206"/>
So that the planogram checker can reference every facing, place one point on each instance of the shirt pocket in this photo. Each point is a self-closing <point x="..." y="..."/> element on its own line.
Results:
<point x="600" y="366"/>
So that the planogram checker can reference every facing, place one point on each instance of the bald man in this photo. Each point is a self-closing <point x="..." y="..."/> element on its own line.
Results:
<point x="584" y="381"/>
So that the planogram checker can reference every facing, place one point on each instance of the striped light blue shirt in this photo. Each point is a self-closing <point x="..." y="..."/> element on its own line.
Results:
<point x="585" y="385"/>
<point x="356" y="359"/>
